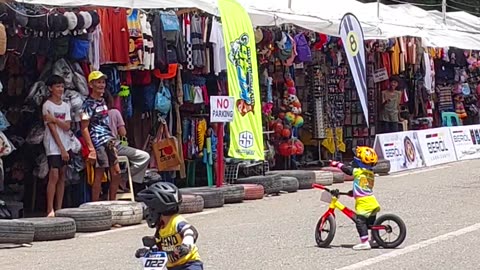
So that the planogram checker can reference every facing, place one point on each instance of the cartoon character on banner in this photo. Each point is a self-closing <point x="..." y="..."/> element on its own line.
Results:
<point x="240" y="56"/>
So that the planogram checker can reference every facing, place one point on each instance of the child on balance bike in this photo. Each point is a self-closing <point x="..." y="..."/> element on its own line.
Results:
<point x="366" y="205"/>
<point x="173" y="234"/>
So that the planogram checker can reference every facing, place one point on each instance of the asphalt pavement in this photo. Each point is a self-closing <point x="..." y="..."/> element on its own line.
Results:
<point x="439" y="205"/>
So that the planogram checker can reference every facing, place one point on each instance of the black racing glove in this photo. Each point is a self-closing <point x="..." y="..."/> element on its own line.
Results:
<point x="141" y="252"/>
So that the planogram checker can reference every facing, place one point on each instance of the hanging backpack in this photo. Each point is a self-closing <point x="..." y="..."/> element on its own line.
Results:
<point x="163" y="100"/>
<point x="304" y="54"/>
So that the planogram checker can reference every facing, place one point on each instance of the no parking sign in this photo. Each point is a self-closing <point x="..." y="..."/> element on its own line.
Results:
<point x="221" y="109"/>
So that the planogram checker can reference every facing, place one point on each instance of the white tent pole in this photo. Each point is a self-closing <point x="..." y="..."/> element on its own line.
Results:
<point x="444" y="11"/>
<point x="378" y="9"/>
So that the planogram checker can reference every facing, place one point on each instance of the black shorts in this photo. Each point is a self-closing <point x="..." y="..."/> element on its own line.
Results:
<point x="106" y="155"/>
<point x="56" y="162"/>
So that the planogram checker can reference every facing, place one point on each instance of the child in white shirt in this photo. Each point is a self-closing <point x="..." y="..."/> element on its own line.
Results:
<point x="56" y="115"/>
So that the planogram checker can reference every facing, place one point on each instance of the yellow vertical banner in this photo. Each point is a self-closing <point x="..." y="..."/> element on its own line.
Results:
<point x="246" y="133"/>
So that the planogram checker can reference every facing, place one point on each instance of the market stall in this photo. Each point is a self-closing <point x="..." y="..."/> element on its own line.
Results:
<point x="163" y="66"/>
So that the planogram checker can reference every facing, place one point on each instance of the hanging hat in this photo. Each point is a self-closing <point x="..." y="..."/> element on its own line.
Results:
<point x="80" y="22"/>
<point x="87" y="18"/>
<point x="95" y="20"/>
<point x="57" y="22"/>
<point x="258" y="35"/>
<point x="38" y="23"/>
<point x="21" y="18"/>
<point x="72" y="20"/>
<point x="171" y="73"/>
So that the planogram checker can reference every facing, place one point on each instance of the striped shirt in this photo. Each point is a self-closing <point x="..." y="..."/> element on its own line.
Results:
<point x="96" y="111"/>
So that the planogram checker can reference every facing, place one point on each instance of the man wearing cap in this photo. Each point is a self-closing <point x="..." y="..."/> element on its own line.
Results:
<point x="98" y="136"/>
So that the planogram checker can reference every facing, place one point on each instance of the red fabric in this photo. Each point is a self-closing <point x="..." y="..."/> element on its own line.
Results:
<point x="114" y="40"/>
<point x="105" y="37"/>
<point x="142" y="77"/>
<point x="387" y="65"/>
<point x="206" y="98"/>
<point x="126" y="77"/>
<point x="85" y="150"/>
<point x="120" y="35"/>
<point x="85" y="68"/>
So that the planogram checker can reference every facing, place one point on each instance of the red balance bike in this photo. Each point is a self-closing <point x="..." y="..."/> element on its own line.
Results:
<point x="388" y="231"/>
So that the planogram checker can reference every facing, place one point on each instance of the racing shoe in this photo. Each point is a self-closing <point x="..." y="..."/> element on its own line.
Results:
<point x="362" y="246"/>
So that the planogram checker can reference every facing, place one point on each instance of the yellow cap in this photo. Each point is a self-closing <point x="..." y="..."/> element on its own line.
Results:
<point x="95" y="75"/>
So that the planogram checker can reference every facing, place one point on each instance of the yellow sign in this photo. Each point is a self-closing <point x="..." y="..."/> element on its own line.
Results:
<point x="352" y="45"/>
<point x="246" y="138"/>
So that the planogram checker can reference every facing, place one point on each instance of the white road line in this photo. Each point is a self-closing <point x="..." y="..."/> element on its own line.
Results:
<point x="133" y="227"/>
<point x="412" y="248"/>
<point x="418" y="171"/>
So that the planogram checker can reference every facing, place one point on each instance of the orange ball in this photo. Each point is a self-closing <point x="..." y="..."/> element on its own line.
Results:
<point x="278" y="127"/>
<point x="286" y="133"/>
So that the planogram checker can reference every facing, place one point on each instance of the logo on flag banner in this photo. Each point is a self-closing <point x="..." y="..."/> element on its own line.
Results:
<point x="246" y="138"/>
<point x="352" y="38"/>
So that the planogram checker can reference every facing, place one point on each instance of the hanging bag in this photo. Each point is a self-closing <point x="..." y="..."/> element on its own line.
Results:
<point x="169" y="21"/>
<point x="165" y="150"/>
<point x="163" y="100"/>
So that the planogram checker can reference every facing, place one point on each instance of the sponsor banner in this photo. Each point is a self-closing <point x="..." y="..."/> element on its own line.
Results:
<point x="466" y="140"/>
<point x="246" y="138"/>
<point x="351" y="33"/>
<point x="436" y="145"/>
<point x="401" y="149"/>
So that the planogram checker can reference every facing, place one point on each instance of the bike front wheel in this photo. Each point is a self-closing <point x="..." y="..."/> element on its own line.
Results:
<point x="390" y="232"/>
<point x="324" y="233"/>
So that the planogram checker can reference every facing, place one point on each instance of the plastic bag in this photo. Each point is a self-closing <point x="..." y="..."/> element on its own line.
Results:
<point x="41" y="170"/>
<point x="6" y="147"/>
<point x="36" y="135"/>
<point x="4" y="124"/>
<point x="75" y="143"/>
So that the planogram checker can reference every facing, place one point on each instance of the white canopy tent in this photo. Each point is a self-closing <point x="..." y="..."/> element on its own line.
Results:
<point x="461" y="29"/>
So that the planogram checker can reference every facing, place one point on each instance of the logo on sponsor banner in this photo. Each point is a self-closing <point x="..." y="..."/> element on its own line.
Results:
<point x="240" y="56"/>
<point x="391" y="150"/>
<point x="436" y="143"/>
<point x="459" y="136"/>
<point x="246" y="139"/>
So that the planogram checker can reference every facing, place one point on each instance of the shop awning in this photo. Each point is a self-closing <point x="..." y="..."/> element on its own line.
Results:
<point x="461" y="30"/>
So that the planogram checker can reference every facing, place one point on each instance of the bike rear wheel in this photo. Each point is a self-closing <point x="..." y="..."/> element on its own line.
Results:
<point x="324" y="233"/>
<point x="393" y="231"/>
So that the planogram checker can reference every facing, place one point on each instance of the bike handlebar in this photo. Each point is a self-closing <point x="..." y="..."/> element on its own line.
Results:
<point x="334" y="192"/>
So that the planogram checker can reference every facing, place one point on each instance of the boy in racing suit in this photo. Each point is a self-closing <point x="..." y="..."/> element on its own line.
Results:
<point x="366" y="205"/>
<point x="174" y="234"/>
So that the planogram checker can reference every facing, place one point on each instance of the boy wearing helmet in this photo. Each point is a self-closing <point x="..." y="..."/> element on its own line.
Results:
<point x="366" y="205"/>
<point x="174" y="234"/>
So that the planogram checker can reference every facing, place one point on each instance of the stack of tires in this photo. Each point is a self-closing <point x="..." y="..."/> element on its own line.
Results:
<point x="90" y="217"/>
<point x="305" y="178"/>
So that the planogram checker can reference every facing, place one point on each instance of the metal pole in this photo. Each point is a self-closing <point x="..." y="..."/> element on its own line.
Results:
<point x="444" y="11"/>
<point x="289" y="4"/>
<point x="378" y="9"/>
<point x="220" y="164"/>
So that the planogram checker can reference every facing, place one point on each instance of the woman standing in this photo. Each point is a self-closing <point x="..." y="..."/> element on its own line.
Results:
<point x="389" y="115"/>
